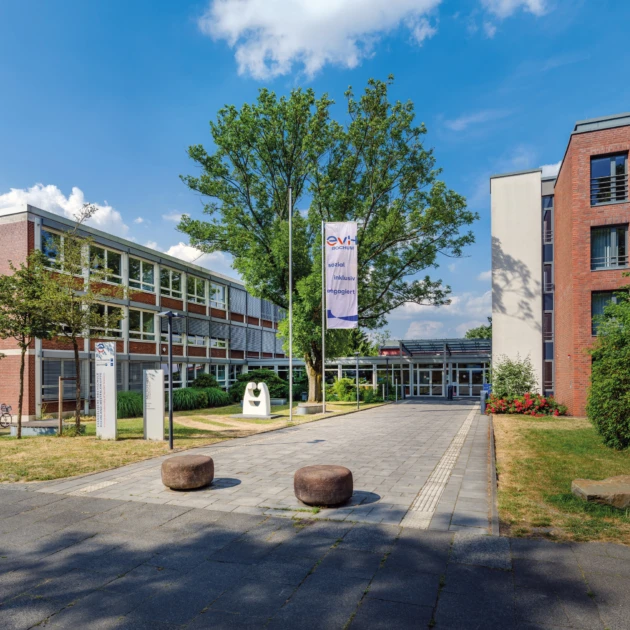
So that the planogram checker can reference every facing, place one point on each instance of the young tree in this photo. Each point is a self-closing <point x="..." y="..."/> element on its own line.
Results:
<point x="83" y="286"/>
<point x="608" y="406"/>
<point x="25" y="312"/>
<point x="481" y="332"/>
<point x="513" y="377"/>
<point x="373" y="169"/>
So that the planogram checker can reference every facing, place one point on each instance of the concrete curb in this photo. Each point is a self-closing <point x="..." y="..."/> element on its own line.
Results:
<point x="494" y="520"/>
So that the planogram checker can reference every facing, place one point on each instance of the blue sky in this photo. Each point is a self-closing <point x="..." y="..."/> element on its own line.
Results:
<point x="101" y="99"/>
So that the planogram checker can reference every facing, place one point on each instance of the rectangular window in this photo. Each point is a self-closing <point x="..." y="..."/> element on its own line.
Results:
<point x="548" y="376"/>
<point x="178" y="374"/>
<point x="220" y="373"/>
<point x="196" y="340"/>
<point x="136" y="374"/>
<point x="217" y="296"/>
<point x="547" y="227"/>
<point x="108" y="262"/>
<point x="609" y="247"/>
<point x="218" y="343"/>
<point x="141" y="325"/>
<point x="171" y="283"/>
<point x="548" y="326"/>
<point x="599" y="301"/>
<point x="141" y="275"/>
<point x="52" y="248"/>
<point x="609" y="179"/>
<point x="196" y="290"/>
<point x="52" y="369"/>
<point x="111" y="319"/>
<point x="547" y="278"/>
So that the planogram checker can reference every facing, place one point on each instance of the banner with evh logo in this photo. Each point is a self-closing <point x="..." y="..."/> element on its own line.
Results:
<point x="342" y="306"/>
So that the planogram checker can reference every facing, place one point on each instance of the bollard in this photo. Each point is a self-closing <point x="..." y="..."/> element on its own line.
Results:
<point x="396" y="390"/>
<point x="383" y="388"/>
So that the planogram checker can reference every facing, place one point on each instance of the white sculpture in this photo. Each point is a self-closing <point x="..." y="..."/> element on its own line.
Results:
<point x="256" y="405"/>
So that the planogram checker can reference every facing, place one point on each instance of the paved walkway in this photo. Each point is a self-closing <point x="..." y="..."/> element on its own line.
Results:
<point x="70" y="559"/>
<point x="426" y="463"/>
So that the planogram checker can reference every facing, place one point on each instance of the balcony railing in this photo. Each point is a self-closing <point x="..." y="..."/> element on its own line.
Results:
<point x="609" y="189"/>
<point x="548" y="287"/>
<point x="548" y="236"/>
<point x="608" y="262"/>
<point x="548" y="335"/>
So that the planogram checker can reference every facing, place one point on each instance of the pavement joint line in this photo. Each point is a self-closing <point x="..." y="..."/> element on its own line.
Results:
<point x="421" y="510"/>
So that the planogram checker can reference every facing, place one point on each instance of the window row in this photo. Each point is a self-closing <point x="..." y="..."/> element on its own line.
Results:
<point x="56" y="248"/>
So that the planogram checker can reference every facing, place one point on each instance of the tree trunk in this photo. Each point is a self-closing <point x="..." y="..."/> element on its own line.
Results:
<point x="21" y="396"/>
<point x="77" y="367"/>
<point x="314" y="373"/>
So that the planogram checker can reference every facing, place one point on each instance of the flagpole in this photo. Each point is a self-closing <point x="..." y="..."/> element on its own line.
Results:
<point x="290" y="306"/>
<point x="323" y="319"/>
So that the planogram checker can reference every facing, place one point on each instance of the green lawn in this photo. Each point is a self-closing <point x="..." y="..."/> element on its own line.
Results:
<point x="537" y="458"/>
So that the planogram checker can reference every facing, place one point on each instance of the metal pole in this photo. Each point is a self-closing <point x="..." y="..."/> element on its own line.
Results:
<point x="60" y="409"/>
<point x="357" y="377"/>
<point x="170" y="382"/>
<point x="323" y="320"/>
<point x="290" y="305"/>
<point x="396" y="390"/>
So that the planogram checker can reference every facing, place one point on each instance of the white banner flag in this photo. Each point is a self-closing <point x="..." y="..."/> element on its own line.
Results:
<point x="342" y="306"/>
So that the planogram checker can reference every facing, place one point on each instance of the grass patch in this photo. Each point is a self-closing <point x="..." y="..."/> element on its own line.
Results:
<point x="537" y="458"/>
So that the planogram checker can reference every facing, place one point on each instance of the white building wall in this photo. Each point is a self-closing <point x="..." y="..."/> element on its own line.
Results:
<point x="517" y="267"/>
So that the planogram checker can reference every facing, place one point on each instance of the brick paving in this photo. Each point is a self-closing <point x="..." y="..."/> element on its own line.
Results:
<point x="69" y="559"/>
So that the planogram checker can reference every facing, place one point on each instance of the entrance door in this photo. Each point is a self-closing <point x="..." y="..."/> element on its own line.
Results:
<point x="463" y="382"/>
<point x="477" y="382"/>
<point x="423" y="380"/>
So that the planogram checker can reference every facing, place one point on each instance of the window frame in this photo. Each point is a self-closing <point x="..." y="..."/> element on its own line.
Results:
<point x="217" y="342"/>
<point x="140" y="284"/>
<point x="191" y="340"/>
<point x="169" y="291"/>
<point x="613" y="179"/>
<point x="106" y="331"/>
<point x="219" y="304"/>
<point x="143" y="335"/>
<point x="55" y="263"/>
<point x="194" y="297"/>
<point x="106" y="251"/>
<point x="614" y="246"/>
<point x="613" y="299"/>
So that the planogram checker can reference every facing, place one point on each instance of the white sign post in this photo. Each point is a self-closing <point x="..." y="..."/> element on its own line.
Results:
<point x="342" y="305"/>
<point x="153" y="395"/>
<point x="105" y="385"/>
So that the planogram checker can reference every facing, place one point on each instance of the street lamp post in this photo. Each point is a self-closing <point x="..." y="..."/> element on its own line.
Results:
<point x="356" y="357"/>
<point x="170" y="315"/>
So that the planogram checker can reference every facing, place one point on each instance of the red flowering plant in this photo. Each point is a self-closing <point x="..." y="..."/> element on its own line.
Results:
<point x="528" y="405"/>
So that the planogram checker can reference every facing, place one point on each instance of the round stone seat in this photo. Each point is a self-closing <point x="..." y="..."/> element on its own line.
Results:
<point x="323" y="485"/>
<point x="187" y="472"/>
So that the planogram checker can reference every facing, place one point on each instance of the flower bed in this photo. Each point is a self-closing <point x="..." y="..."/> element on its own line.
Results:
<point x="528" y="405"/>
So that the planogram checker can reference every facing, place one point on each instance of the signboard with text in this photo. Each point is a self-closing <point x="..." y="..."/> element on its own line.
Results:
<point x="342" y="306"/>
<point x="153" y="396"/>
<point x="105" y="389"/>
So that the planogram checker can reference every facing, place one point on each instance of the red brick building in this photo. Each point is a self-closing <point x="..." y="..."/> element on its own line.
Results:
<point x="575" y="265"/>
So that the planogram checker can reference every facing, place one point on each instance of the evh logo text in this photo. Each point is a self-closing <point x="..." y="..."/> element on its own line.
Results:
<point x="334" y="241"/>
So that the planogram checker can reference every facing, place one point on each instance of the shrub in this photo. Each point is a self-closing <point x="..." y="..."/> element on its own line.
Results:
<point x="513" y="377"/>
<point x="129" y="404"/>
<point x="217" y="397"/>
<point x="344" y="389"/>
<point x="203" y="381"/>
<point x="527" y="405"/>
<point x="608" y="406"/>
<point x="278" y="388"/>
<point x="186" y="398"/>
<point x="370" y="396"/>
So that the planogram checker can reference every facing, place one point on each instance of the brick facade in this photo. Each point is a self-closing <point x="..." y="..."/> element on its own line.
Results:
<point x="574" y="281"/>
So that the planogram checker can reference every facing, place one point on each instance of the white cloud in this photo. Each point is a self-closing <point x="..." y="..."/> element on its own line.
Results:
<point x="424" y="330"/>
<point x="484" y="276"/>
<point x="152" y="245"/>
<point x="175" y="217"/>
<point x="487" y="115"/>
<point x="504" y="8"/>
<point x="551" y="170"/>
<point x="271" y="36"/>
<point x="139" y="221"/>
<point x="452" y="267"/>
<point x="217" y="261"/>
<point x="489" y="29"/>
<point x="50" y="198"/>
<point x="465" y="304"/>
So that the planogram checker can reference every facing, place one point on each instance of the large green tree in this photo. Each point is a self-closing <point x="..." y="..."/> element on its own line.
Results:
<point x="371" y="168"/>
<point x="25" y="311"/>
<point x="480" y="332"/>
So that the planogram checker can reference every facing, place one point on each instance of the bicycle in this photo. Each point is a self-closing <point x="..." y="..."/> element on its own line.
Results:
<point x="6" y="418"/>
